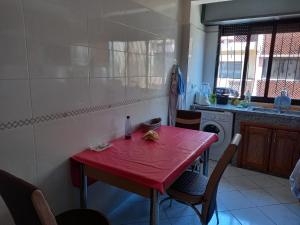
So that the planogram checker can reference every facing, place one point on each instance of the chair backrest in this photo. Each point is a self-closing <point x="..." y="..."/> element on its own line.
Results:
<point x="24" y="201"/>
<point x="188" y="119"/>
<point x="210" y="194"/>
<point x="42" y="208"/>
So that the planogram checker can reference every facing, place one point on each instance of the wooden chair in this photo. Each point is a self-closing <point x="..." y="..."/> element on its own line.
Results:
<point x="28" y="206"/>
<point x="188" y="119"/>
<point x="193" y="189"/>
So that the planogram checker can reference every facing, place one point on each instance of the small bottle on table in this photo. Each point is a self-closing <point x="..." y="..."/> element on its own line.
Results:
<point x="128" y="128"/>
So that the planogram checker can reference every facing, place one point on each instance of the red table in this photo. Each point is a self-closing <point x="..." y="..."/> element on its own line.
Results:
<point x="145" y="167"/>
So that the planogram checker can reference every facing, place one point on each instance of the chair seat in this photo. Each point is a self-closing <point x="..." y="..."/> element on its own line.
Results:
<point x="191" y="183"/>
<point x="82" y="217"/>
<point x="189" y="188"/>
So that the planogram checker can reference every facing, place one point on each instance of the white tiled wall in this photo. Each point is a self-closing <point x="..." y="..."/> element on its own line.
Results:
<point x="195" y="63"/>
<point x="195" y="56"/>
<point x="211" y="40"/>
<point x="64" y="55"/>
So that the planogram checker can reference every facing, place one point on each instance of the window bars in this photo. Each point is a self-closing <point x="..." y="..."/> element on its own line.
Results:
<point x="263" y="58"/>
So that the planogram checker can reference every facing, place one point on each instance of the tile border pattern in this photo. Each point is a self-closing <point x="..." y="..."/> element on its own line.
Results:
<point x="55" y="116"/>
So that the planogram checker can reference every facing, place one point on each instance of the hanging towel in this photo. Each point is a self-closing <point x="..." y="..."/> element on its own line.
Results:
<point x="180" y="89"/>
<point x="180" y="85"/>
<point x="176" y="94"/>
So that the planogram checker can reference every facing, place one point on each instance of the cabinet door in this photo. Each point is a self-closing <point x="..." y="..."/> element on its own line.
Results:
<point x="256" y="148"/>
<point x="284" y="151"/>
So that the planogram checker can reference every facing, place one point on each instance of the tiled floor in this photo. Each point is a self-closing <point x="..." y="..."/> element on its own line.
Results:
<point x="244" y="197"/>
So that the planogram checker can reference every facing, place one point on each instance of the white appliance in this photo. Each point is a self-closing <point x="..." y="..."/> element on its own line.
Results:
<point x="220" y="123"/>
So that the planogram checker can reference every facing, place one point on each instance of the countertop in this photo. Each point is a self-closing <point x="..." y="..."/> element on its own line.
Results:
<point x="249" y="110"/>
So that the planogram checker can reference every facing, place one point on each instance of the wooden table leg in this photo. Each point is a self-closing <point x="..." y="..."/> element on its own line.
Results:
<point x="83" y="188"/>
<point x="205" y="162"/>
<point x="154" y="208"/>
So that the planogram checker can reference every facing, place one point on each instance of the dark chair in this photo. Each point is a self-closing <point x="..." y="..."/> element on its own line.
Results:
<point x="192" y="188"/>
<point x="188" y="119"/>
<point x="28" y="206"/>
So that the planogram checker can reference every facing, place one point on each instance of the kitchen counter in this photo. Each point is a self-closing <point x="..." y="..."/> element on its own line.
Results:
<point x="230" y="108"/>
<point x="264" y="117"/>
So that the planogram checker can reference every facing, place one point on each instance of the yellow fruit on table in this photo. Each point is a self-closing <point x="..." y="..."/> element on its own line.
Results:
<point x="151" y="135"/>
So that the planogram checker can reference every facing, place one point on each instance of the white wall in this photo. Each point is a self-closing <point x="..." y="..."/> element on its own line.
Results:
<point x="70" y="71"/>
<point x="195" y="54"/>
<point x="195" y="64"/>
<point x="211" y="41"/>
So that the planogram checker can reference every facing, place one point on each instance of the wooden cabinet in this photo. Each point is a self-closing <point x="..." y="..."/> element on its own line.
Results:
<point x="257" y="138"/>
<point x="269" y="148"/>
<point x="284" y="150"/>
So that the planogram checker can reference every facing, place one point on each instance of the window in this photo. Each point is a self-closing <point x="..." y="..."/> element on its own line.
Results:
<point x="263" y="58"/>
<point x="258" y="62"/>
<point x="285" y="70"/>
<point x="231" y="61"/>
<point x="231" y="70"/>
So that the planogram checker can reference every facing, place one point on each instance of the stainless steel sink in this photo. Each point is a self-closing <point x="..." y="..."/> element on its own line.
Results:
<point x="275" y="111"/>
<point x="268" y="110"/>
<point x="292" y="112"/>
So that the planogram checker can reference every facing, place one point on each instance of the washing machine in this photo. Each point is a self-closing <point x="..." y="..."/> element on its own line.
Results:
<point x="220" y="123"/>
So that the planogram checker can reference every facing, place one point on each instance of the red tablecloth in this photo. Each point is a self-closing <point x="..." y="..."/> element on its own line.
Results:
<point x="152" y="164"/>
